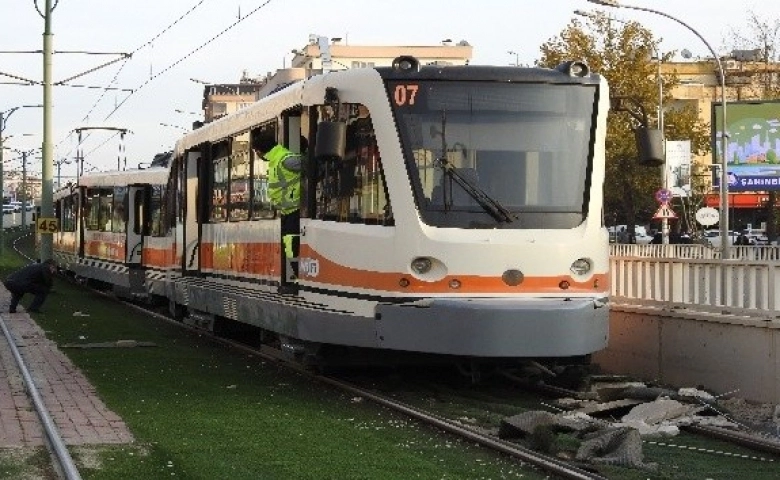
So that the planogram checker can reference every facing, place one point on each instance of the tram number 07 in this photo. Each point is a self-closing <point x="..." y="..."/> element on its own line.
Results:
<point x="405" y="94"/>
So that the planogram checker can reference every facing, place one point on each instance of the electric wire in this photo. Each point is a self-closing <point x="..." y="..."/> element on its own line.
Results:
<point x="169" y="67"/>
<point x="121" y="68"/>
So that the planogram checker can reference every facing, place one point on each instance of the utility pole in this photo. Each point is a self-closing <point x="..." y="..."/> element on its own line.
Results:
<point x="24" y="190"/>
<point x="47" y="194"/>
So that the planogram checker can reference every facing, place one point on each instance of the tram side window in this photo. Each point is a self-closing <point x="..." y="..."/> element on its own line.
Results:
<point x="261" y="203"/>
<point x="98" y="209"/>
<point x="67" y="214"/>
<point x="220" y="173"/>
<point x="106" y="210"/>
<point x="119" y="216"/>
<point x="239" y="178"/>
<point x="156" y="227"/>
<point x="354" y="190"/>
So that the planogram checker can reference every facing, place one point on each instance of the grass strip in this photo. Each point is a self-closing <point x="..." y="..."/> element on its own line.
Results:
<point x="201" y="411"/>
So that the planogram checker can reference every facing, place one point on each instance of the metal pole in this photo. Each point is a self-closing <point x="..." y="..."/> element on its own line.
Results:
<point x="24" y="189"/>
<point x="664" y="166"/>
<point x="724" y="184"/>
<point x="2" y="183"/>
<point x="47" y="195"/>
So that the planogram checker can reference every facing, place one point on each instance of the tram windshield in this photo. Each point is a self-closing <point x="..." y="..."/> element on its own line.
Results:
<point x="489" y="155"/>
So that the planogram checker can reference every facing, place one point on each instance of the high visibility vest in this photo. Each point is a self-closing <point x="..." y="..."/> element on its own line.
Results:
<point x="284" y="185"/>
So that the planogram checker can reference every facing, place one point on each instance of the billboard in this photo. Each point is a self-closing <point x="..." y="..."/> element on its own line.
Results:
<point x="678" y="167"/>
<point x="753" y="145"/>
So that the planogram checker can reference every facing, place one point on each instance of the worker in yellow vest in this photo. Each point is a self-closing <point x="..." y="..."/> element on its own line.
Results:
<point x="284" y="191"/>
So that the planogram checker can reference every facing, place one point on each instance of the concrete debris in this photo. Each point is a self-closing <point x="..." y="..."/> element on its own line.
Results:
<point x="613" y="446"/>
<point x="645" y="430"/>
<point x="648" y="393"/>
<point x="655" y="412"/>
<point x="695" y="394"/>
<point x="607" y="407"/>
<point x="524" y="424"/>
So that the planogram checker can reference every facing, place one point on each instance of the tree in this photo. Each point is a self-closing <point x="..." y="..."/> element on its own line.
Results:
<point x="622" y="53"/>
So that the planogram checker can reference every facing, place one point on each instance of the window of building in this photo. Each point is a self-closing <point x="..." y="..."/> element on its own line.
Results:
<point x="359" y="64"/>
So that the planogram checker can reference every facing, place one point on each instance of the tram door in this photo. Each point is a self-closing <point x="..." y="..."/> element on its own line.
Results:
<point x="135" y="206"/>
<point x="191" y="253"/>
<point x="135" y="224"/>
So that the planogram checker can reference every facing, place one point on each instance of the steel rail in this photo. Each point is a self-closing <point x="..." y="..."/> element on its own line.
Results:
<point x="544" y="462"/>
<point x="64" y="462"/>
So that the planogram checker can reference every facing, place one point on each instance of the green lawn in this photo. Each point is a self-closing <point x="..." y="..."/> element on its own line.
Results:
<point x="201" y="411"/>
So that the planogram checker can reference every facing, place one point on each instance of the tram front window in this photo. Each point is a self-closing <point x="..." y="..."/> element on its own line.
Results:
<point x="488" y="155"/>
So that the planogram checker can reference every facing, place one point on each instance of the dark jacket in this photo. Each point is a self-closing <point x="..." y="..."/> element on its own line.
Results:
<point x="35" y="276"/>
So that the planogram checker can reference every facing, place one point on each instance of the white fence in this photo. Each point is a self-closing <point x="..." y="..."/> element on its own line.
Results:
<point x="694" y="277"/>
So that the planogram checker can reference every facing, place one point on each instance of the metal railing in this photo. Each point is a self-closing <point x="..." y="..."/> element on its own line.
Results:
<point x="694" y="277"/>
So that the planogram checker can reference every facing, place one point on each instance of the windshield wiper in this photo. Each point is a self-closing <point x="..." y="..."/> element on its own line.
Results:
<point x="488" y="203"/>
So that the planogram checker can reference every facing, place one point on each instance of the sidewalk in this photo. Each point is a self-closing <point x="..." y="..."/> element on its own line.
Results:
<point x="80" y="416"/>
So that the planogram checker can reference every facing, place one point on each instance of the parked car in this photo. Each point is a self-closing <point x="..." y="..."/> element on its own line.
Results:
<point x="757" y="236"/>
<point x="8" y="208"/>
<point x="713" y="237"/>
<point x="19" y="206"/>
<point x="641" y="235"/>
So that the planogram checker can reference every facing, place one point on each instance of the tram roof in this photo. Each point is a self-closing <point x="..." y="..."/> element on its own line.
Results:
<point x="152" y="176"/>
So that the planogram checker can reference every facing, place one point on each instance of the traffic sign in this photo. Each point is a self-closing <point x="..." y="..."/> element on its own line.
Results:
<point x="664" y="212"/>
<point x="663" y="195"/>
<point x="707" y="216"/>
<point x="46" y="225"/>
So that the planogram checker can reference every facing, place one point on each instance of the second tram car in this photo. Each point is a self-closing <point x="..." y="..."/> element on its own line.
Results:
<point x="453" y="210"/>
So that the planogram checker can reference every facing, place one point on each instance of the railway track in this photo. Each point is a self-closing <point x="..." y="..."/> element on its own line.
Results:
<point x="545" y="463"/>
<point x="62" y="462"/>
<point x="554" y="466"/>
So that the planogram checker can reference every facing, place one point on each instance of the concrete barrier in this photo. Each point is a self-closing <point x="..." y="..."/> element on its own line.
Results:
<point x="722" y="353"/>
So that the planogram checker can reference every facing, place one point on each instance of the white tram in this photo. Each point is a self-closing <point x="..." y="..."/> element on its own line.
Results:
<point x="449" y="210"/>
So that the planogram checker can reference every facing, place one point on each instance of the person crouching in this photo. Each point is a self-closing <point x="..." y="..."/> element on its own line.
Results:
<point x="36" y="278"/>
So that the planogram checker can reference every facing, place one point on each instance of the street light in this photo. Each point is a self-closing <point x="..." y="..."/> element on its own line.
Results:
<point x="4" y="116"/>
<point x="517" y="57"/>
<point x="724" y="184"/>
<point x="659" y="79"/>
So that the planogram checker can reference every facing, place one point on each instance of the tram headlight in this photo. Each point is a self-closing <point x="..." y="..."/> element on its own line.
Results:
<point x="581" y="266"/>
<point x="421" y="265"/>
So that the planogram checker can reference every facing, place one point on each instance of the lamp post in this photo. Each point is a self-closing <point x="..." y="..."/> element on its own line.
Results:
<point x="724" y="184"/>
<point x="517" y="57"/>
<point x="4" y="116"/>
<point x="659" y="80"/>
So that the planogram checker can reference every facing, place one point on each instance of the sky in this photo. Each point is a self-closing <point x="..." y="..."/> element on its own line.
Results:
<point x="174" y="41"/>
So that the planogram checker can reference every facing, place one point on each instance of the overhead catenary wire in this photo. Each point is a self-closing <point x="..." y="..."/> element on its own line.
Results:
<point x="169" y="67"/>
<point x="144" y="45"/>
<point x="122" y="66"/>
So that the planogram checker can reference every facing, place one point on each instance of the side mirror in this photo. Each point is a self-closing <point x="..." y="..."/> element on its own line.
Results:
<point x="331" y="140"/>
<point x="650" y="145"/>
